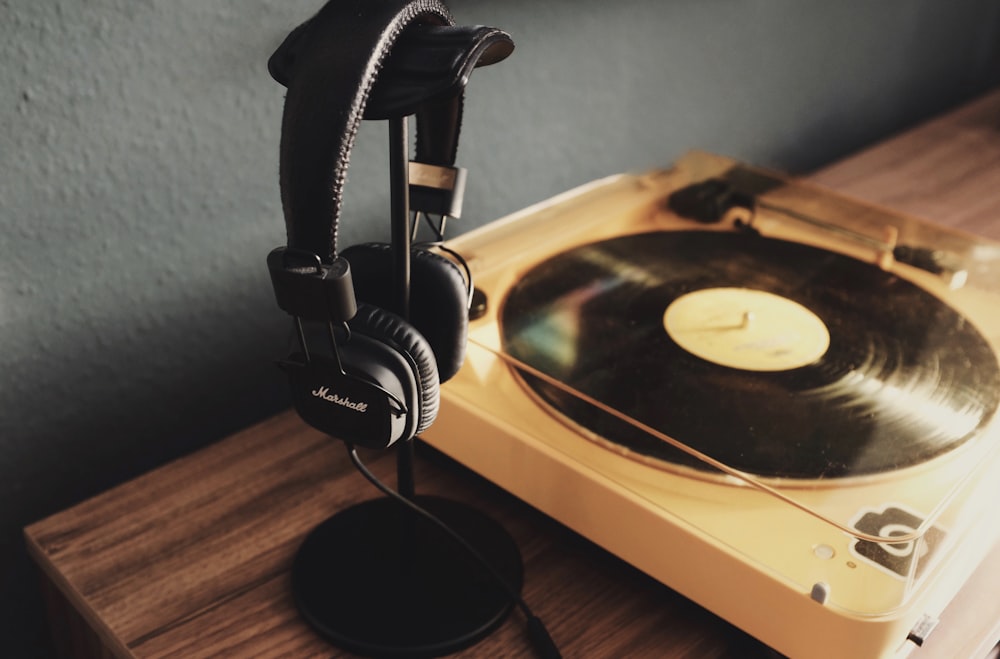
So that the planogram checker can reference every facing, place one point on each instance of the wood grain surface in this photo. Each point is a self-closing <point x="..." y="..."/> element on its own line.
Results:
<point x="192" y="559"/>
<point x="946" y="170"/>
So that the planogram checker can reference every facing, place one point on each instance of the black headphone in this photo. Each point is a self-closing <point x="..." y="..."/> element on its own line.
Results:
<point x="377" y="380"/>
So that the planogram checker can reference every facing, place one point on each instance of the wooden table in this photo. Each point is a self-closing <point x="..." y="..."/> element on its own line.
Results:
<point x="192" y="559"/>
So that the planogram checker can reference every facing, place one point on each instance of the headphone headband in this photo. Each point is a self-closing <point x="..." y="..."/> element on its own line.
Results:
<point x="330" y="66"/>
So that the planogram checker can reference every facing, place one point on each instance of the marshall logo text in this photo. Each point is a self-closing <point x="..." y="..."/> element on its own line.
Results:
<point x="324" y="393"/>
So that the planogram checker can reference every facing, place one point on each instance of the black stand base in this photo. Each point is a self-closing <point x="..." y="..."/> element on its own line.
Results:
<point x="378" y="580"/>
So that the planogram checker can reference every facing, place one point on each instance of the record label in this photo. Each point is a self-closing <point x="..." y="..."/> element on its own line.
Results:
<point x="747" y="329"/>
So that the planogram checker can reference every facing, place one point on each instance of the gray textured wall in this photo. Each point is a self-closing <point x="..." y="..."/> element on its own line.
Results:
<point x="138" y="185"/>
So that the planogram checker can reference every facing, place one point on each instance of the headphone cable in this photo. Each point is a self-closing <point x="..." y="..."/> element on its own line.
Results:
<point x="537" y="633"/>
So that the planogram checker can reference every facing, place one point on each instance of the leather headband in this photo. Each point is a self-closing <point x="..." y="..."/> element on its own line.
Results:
<point x="330" y="65"/>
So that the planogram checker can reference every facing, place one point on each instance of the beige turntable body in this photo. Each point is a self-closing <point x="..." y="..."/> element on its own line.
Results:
<point x="782" y="559"/>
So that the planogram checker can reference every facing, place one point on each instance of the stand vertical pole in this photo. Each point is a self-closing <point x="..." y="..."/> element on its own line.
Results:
<point x="399" y="210"/>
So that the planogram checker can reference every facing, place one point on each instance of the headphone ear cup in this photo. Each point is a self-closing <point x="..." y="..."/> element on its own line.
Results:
<point x="389" y="329"/>
<point x="357" y="395"/>
<point x="439" y="298"/>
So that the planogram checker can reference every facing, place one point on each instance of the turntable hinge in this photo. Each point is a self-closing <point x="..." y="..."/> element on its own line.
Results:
<point x="716" y="200"/>
<point x="710" y="201"/>
<point x="922" y="629"/>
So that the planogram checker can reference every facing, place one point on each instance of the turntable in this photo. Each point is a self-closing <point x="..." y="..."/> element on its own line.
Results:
<point x="777" y="401"/>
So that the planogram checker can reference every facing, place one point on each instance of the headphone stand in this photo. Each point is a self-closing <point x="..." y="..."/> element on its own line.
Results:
<point x="378" y="579"/>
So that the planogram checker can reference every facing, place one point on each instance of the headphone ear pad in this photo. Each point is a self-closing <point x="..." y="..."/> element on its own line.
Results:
<point x="391" y="330"/>
<point x="439" y="298"/>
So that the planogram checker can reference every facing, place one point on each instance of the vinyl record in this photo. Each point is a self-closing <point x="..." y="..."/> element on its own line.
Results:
<point x="779" y="359"/>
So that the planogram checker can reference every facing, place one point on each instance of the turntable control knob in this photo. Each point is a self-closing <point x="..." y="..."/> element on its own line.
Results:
<point x="820" y="592"/>
<point x="478" y="306"/>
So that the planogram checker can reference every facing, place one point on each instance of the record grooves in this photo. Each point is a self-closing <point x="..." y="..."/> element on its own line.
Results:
<point x="905" y="378"/>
